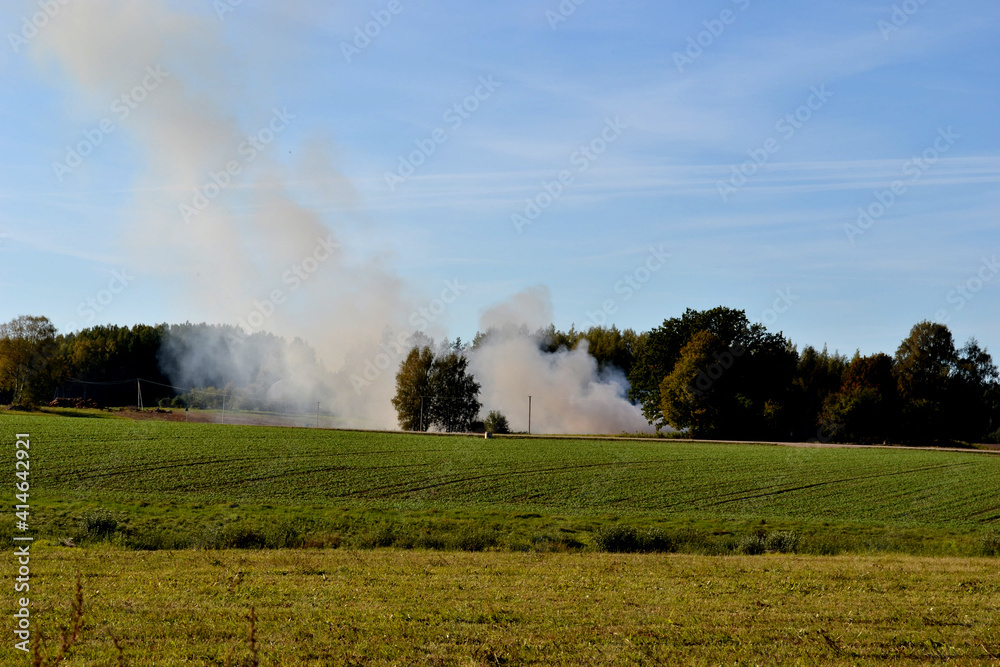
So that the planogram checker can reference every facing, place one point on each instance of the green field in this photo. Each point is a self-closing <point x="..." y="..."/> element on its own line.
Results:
<point x="149" y="484"/>
<point x="163" y="523"/>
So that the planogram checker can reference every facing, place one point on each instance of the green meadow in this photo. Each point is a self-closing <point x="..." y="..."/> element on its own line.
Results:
<point x="153" y="484"/>
<point x="245" y="545"/>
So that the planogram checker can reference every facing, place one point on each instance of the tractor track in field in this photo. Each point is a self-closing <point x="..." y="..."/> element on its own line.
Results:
<point x="781" y="491"/>
<point x="402" y="487"/>
<point x="183" y="463"/>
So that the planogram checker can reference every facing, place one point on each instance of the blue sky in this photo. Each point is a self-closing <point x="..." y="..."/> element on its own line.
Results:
<point x="666" y="122"/>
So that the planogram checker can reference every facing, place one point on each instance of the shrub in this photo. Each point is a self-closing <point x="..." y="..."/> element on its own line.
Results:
<point x="752" y="545"/>
<point x="283" y="535"/>
<point x="379" y="536"/>
<point x="657" y="541"/>
<point x="98" y="525"/>
<point x="430" y="541"/>
<point x="617" y="539"/>
<point x="627" y="539"/>
<point x="496" y="422"/>
<point x="782" y="541"/>
<point x="475" y="538"/>
<point x="989" y="543"/>
<point x="155" y="540"/>
<point x="824" y="546"/>
<point x="242" y="536"/>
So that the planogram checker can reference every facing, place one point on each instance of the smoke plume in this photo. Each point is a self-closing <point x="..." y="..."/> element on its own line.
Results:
<point x="568" y="394"/>
<point x="214" y="216"/>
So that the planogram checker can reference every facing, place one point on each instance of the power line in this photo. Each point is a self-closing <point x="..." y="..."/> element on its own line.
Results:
<point x="136" y="380"/>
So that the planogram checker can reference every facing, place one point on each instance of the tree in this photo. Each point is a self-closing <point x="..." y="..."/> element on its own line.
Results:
<point x="924" y="361"/>
<point x="855" y="414"/>
<point x="611" y="347"/>
<point x="496" y="422"/>
<point x="971" y="393"/>
<point x="412" y="387"/>
<point x="924" y="364"/>
<point x="30" y="365"/>
<point x="759" y="380"/>
<point x="436" y="390"/>
<point x="817" y="376"/>
<point x="694" y="395"/>
<point x="770" y="354"/>
<point x="455" y="403"/>
<point x="871" y="372"/>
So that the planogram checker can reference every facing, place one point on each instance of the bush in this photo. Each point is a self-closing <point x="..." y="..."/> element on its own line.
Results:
<point x="475" y="538"/>
<point x="989" y="543"/>
<point x="782" y="541"/>
<point x="155" y="540"/>
<point x="657" y="541"/>
<point x="617" y="539"/>
<point x="752" y="545"/>
<point x="98" y="525"/>
<point x="379" y="536"/>
<point x="242" y="536"/>
<point x="496" y="422"/>
<point x="627" y="539"/>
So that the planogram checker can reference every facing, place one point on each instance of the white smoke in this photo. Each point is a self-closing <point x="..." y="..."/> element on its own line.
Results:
<point x="254" y="255"/>
<point x="568" y="394"/>
<point x="214" y="216"/>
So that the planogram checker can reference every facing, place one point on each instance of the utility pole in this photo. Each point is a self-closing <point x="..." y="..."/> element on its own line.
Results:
<point x="138" y="388"/>
<point x="421" y="428"/>
<point x="529" y="415"/>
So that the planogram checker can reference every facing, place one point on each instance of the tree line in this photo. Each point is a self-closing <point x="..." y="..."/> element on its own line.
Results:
<point x="102" y="364"/>
<point x="715" y="374"/>
<point x="710" y="373"/>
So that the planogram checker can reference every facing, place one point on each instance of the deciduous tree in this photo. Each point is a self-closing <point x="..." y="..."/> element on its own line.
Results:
<point x="455" y="404"/>
<point x="413" y="385"/>
<point x="30" y="366"/>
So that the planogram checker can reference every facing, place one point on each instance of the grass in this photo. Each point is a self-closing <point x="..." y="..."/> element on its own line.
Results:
<point x="391" y="607"/>
<point x="153" y="485"/>
<point x="460" y="551"/>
